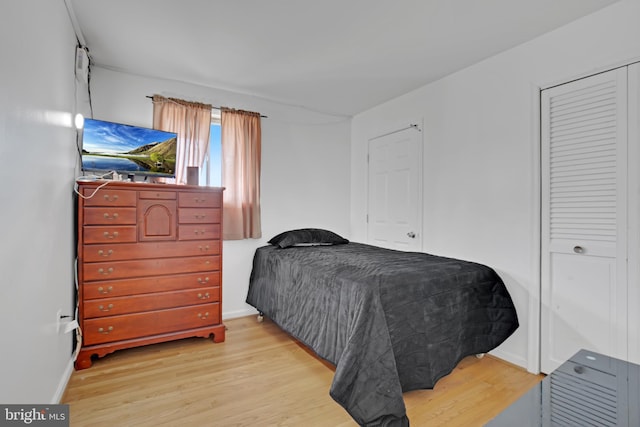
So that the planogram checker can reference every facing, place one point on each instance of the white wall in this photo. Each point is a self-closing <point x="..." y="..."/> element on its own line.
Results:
<point x="37" y="148"/>
<point x="305" y="163"/>
<point x="481" y="197"/>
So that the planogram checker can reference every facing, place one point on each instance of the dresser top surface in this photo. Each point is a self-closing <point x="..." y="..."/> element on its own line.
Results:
<point x="127" y="185"/>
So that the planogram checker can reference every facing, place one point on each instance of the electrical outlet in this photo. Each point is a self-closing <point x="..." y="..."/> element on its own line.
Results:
<point x="58" y="320"/>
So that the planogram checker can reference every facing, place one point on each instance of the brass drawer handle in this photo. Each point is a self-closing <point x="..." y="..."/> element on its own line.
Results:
<point x="105" y="332"/>
<point x="198" y="232"/>
<point x="206" y="280"/>
<point x="109" y="307"/>
<point x="203" y="316"/>
<point x="199" y="200"/>
<point x="203" y="216"/>
<point x="105" y="273"/>
<point x="105" y="255"/>
<point x="204" y="248"/>
<point x="110" y="236"/>
<point x="109" y="198"/>
<point x="105" y="291"/>
<point x="107" y="216"/>
<point x="205" y="296"/>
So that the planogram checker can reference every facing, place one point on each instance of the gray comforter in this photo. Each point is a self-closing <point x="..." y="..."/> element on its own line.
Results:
<point x="390" y="321"/>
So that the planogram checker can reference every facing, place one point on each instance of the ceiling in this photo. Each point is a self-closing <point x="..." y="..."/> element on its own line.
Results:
<point x="338" y="57"/>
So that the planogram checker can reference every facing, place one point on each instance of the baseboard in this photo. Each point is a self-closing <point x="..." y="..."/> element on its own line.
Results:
<point x="511" y="358"/>
<point x="62" y="385"/>
<point x="239" y="313"/>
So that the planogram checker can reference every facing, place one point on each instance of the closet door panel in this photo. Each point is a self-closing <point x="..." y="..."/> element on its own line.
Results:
<point x="584" y="173"/>
<point x="633" y="307"/>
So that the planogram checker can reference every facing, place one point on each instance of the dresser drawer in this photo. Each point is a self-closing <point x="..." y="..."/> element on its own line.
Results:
<point x="137" y="325"/>
<point x="107" y="215"/>
<point x="131" y="251"/>
<point x="199" y="200"/>
<point x="149" y="302"/>
<point x="198" y="216"/>
<point x="109" y="197"/>
<point x="198" y="232"/>
<point x="145" y="285"/>
<point x="157" y="195"/>
<point x="149" y="267"/>
<point x="109" y="234"/>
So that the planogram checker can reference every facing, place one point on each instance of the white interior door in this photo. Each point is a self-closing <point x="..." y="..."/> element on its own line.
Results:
<point x="584" y="218"/>
<point x="395" y="190"/>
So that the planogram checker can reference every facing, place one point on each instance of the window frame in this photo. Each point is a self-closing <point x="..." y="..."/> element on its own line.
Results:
<point x="205" y="174"/>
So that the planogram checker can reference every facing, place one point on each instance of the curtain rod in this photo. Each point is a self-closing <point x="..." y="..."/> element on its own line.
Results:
<point x="216" y="108"/>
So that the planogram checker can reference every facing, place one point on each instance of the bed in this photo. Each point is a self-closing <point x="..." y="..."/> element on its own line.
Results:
<point x="390" y="321"/>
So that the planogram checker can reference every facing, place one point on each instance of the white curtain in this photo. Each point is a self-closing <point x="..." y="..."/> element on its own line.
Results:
<point x="192" y="122"/>
<point x="241" y="156"/>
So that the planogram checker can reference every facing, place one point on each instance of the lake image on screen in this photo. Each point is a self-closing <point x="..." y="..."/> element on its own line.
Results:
<point x="110" y="163"/>
<point x="118" y="147"/>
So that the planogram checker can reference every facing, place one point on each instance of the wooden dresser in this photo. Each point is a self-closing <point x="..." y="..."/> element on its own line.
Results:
<point x="149" y="265"/>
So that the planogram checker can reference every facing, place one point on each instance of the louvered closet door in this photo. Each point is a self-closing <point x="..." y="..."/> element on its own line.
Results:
<point x="583" y="247"/>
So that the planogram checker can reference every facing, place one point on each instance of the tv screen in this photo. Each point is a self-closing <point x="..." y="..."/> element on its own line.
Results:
<point x="127" y="149"/>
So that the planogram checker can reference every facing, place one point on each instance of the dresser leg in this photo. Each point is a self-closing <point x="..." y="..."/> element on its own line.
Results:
<point x="83" y="361"/>
<point x="218" y="333"/>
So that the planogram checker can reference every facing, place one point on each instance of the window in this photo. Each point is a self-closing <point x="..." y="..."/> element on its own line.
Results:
<point x="211" y="173"/>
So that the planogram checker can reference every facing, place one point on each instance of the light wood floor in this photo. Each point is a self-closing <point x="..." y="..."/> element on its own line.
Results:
<point x="262" y="377"/>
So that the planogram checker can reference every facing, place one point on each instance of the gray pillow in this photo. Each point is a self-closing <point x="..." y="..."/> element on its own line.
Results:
<point x="307" y="237"/>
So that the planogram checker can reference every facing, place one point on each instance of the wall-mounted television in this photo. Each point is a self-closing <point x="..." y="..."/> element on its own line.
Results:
<point x="127" y="150"/>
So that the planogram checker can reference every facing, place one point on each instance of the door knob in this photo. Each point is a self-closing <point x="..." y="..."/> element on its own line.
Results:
<point x="411" y="234"/>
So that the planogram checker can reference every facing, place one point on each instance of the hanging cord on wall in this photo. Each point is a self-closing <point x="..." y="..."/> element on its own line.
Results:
<point x="78" y="127"/>
<point x="78" y="329"/>
<point x="89" y="81"/>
